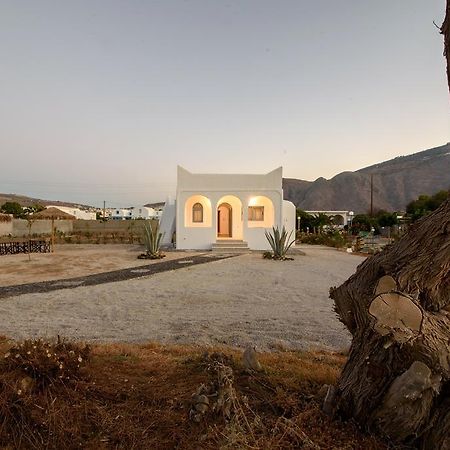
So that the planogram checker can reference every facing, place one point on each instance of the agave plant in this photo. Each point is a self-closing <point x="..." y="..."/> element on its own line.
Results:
<point x="152" y="241"/>
<point x="280" y="243"/>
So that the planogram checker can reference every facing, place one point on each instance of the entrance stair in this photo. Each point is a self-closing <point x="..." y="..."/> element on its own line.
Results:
<point x="230" y="246"/>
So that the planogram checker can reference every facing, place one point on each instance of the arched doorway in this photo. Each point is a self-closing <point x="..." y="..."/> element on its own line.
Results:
<point x="224" y="220"/>
<point x="337" y="220"/>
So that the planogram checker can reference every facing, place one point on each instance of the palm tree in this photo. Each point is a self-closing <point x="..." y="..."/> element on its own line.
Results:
<point x="320" y="220"/>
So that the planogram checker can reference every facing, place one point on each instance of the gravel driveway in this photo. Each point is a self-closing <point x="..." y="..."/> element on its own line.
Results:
<point x="236" y="301"/>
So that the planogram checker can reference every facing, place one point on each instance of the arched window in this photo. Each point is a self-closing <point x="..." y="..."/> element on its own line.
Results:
<point x="197" y="213"/>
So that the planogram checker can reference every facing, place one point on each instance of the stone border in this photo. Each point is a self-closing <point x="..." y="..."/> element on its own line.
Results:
<point x="109" y="277"/>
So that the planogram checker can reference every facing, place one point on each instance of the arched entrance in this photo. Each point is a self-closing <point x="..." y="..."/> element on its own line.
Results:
<point x="337" y="220"/>
<point x="224" y="220"/>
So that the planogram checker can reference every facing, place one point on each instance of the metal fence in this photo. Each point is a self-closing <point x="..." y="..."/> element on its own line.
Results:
<point x="31" y="246"/>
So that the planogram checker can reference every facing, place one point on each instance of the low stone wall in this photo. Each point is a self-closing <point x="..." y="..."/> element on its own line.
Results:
<point x="6" y="228"/>
<point x="39" y="227"/>
<point x="78" y="231"/>
<point x="110" y="226"/>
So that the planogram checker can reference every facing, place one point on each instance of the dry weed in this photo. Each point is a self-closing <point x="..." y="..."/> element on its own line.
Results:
<point x="139" y="397"/>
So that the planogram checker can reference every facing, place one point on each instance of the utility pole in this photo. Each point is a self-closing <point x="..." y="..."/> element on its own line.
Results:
<point x="371" y="195"/>
<point x="104" y="209"/>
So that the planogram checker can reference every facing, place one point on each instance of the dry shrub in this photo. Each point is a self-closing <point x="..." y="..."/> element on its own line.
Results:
<point x="38" y="389"/>
<point x="139" y="397"/>
<point x="279" y="408"/>
<point x="46" y="362"/>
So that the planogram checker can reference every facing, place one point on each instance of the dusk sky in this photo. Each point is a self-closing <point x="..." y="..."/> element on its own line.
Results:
<point x="100" y="100"/>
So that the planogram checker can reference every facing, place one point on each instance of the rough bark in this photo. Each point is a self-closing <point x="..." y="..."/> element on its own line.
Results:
<point x="397" y="307"/>
<point x="445" y="31"/>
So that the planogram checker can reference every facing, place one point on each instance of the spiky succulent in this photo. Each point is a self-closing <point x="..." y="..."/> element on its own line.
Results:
<point x="280" y="242"/>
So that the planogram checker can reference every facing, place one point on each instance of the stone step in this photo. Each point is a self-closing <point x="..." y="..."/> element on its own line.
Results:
<point x="230" y="243"/>
<point x="230" y="250"/>
<point x="230" y="246"/>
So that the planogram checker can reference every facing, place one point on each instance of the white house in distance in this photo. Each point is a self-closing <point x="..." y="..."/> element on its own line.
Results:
<point x="77" y="212"/>
<point x="135" y="212"/>
<point x="212" y="209"/>
<point x="121" y="214"/>
<point x="158" y="208"/>
<point x="340" y="218"/>
<point x="142" y="212"/>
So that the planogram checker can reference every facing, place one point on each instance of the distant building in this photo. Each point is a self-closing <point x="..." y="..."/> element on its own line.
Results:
<point x="340" y="218"/>
<point x="121" y="214"/>
<point x="105" y="213"/>
<point x="157" y="207"/>
<point x="77" y="212"/>
<point x="143" y="212"/>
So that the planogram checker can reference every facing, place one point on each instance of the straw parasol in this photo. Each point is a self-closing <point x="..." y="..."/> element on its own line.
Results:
<point x="53" y="214"/>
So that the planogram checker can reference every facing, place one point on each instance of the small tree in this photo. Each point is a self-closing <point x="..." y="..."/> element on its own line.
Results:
<point x="386" y="219"/>
<point x="13" y="208"/>
<point x="320" y="220"/>
<point x="424" y="204"/>
<point x="33" y="209"/>
<point x="306" y="220"/>
<point x="30" y="220"/>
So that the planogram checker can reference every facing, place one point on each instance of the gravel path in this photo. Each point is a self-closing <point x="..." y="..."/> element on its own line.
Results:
<point x="156" y="266"/>
<point x="235" y="301"/>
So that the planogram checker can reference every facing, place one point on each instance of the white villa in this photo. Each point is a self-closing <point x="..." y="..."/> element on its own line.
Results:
<point x="340" y="218"/>
<point x="135" y="212"/>
<point x="121" y="214"/>
<point x="142" y="212"/>
<point x="76" y="212"/>
<point x="213" y="209"/>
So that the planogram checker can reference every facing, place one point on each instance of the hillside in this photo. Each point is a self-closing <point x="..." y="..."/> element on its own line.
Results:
<point x="23" y="200"/>
<point x="396" y="182"/>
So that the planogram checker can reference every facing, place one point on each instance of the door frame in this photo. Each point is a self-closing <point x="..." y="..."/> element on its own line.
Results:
<point x="230" y="220"/>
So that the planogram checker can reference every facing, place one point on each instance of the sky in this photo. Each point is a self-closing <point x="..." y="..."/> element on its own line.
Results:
<point x="100" y="100"/>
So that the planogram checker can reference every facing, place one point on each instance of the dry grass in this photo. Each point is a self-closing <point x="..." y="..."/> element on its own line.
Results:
<point x="139" y="397"/>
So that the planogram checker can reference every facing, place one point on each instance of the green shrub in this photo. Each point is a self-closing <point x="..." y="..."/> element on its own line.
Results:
<point x="330" y="239"/>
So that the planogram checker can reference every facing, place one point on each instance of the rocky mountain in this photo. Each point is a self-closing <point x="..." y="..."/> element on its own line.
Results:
<point x="395" y="183"/>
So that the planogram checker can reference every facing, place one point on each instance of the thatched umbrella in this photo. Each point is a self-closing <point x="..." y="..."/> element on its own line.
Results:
<point x="53" y="214"/>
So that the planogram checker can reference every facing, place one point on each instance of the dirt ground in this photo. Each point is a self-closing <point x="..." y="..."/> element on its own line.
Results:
<point x="74" y="260"/>
<point x="236" y="301"/>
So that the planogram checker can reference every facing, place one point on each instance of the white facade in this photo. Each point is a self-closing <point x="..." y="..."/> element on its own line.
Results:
<point x="78" y="213"/>
<point x="158" y="213"/>
<point x="213" y="207"/>
<point x="142" y="212"/>
<point x="121" y="214"/>
<point x="135" y="212"/>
